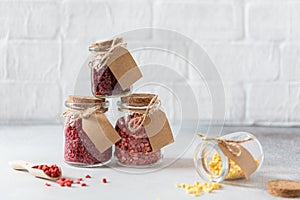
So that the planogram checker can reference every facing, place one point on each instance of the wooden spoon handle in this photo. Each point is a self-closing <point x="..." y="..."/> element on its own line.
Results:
<point x="20" y="165"/>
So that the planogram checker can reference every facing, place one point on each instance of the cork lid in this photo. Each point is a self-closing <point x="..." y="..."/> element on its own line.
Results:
<point x="104" y="45"/>
<point x="85" y="102"/>
<point x="284" y="188"/>
<point x="137" y="99"/>
<point x="85" y="99"/>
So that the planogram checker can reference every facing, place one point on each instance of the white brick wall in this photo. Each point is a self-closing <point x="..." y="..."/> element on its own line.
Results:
<point x="255" y="45"/>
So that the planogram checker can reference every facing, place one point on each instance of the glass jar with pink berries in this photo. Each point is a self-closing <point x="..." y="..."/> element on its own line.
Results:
<point x="144" y="131"/>
<point x="88" y="135"/>
<point x="113" y="69"/>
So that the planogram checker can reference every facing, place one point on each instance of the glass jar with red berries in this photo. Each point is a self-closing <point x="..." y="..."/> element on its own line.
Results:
<point x="104" y="80"/>
<point x="82" y="131"/>
<point x="140" y="143"/>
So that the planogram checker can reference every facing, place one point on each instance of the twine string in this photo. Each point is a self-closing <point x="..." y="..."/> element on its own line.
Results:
<point x="77" y="114"/>
<point x="136" y="122"/>
<point x="232" y="145"/>
<point x="101" y="58"/>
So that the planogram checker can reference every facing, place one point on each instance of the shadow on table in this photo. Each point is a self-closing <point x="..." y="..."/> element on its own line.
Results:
<point x="260" y="179"/>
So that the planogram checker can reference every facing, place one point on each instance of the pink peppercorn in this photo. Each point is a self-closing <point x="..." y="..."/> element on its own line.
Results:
<point x="79" y="149"/>
<point x="104" y="180"/>
<point x="83" y="184"/>
<point x="52" y="171"/>
<point x="88" y="176"/>
<point x="105" y="83"/>
<point x="134" y="148"/>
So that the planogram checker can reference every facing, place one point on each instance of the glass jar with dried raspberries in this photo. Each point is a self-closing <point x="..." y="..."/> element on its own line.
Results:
<point x="88" y="135"/>
<point x="113" y="69"/>
<point x="232" y="156"/>
<point x="144" y="131"/>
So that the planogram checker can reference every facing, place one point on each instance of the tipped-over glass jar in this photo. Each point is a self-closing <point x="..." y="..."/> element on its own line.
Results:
<point x="103" y="81"/>
<point x="79" y="149"/>
<point x="134" y="149"/>
<point x="213" y="165"/>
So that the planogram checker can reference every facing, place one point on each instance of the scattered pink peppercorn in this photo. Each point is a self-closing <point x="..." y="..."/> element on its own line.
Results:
<point x="65" y="182"/>
<point x="104" y="180"/>
<point x="47" y="184"/>
<point x="68" y="184"/>
<point x="88" y="176"/>
<point x="83" y="184"/>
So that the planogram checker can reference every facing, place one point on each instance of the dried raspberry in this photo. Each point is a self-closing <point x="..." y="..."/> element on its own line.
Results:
<point x="79" y="148"/>
<point x="88" y="176"/>
<point x="52" y="171"/>
<point x="104" y="180"/>
<point x="105" y="83"/>
<point x="134" y="148"/>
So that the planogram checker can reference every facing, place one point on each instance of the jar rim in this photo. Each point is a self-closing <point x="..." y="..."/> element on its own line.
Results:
<point x="83" y="106"/>
<point x="103" y="45"/>
<point x="125" y="106"/>
<point x="201" y="165"/>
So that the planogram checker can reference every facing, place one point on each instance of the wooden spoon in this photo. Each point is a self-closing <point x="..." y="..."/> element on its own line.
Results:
<point x="23" y="165"/>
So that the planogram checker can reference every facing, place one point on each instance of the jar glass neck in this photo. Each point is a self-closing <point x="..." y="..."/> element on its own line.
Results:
<point x="125" y="107"/>
<point x="83" y="106"/>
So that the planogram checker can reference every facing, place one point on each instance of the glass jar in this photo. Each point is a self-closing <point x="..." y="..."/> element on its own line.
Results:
<point x="79" y="150"/>
<point x="103" y="82"/>
<point x="213" y="165"/>
<point x="134" y="148"/>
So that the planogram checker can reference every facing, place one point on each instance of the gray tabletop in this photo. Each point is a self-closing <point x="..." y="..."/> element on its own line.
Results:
<point x="44" y="144"/>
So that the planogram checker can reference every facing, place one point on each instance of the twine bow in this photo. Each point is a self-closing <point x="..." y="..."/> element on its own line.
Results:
<point x="101" y="57"/>
<point x="76" y="114"/>
<point x="136" y="122"/>
<point x="232" y="145"/>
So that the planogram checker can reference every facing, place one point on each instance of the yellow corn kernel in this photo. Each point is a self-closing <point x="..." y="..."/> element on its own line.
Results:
<point x="197" y="188"/>
<point x="207" y="189"/>
<point x="190" y="191"/>
<point x="234" y="170"/>
<point x="177" y="185"/>
<point x="200" y="186"/>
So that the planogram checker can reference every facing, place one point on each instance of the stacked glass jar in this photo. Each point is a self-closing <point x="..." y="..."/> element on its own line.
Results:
<point x="79" y="150"/>
<point x="103" y="81"/>
<point x="133" y="147"/>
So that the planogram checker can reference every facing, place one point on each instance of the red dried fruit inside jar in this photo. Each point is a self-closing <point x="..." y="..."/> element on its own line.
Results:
<point x="52" y="171"/>
<point x="79" y="149"/>
<point x="105" y="83"/>
<point x="134" y="148"/>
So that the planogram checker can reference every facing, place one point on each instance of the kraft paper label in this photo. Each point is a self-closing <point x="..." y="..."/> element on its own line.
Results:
<point x="245" y="160"/>
<point x="100" y="131"/>
<point x="123" y="67"/>
<point x="158" y="130"/>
